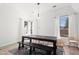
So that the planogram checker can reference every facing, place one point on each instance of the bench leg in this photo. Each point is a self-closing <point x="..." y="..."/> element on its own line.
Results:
<point x="22" y="45"/>
<point x="54" y="48"/>
<point x="19" y="46"/>
<point x="30" y="51"/>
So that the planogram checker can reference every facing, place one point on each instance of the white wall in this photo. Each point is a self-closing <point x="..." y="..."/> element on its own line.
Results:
<point x="12" y="18"/>
<point x="45" y="24"/>
<point x="8" y="24"/>
<point x="49" y="20"/>
<point x="73" y="27"/>
<point x="78" y="25"/>
<point x="9" y="21"/>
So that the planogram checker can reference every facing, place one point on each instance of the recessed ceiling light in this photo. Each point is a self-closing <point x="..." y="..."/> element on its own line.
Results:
<point x="38" y="3"/>
<point x="54" y="6"/>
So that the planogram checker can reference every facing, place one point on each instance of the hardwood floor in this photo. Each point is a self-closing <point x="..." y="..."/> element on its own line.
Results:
<point x="67" y="50"/>
<point x="5" y="50"/>
<point x="71" y="50"/>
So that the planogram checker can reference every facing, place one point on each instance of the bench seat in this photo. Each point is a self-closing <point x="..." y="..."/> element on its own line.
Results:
<point x="39" y="46"/>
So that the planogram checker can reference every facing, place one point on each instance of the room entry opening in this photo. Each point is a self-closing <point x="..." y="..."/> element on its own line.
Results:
<point x="64" y="26"/>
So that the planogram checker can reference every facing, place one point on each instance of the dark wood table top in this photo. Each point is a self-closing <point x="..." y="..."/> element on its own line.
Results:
<point x="41" y="37"/>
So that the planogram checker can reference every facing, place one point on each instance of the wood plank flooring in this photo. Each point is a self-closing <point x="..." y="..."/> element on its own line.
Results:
<point x="67" y="50"/>
<point x="71" y="50"/>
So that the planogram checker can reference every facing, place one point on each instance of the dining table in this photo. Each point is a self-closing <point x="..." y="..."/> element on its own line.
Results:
<point x="52" y="39"/>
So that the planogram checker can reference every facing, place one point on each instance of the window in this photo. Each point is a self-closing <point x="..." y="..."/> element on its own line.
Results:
<point x="64" y="26"/>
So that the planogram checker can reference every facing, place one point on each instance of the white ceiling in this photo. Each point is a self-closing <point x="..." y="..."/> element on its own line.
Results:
<point x="75" y="6"/>
<point x="43" y="7"/>
<point x="47" y="6"/>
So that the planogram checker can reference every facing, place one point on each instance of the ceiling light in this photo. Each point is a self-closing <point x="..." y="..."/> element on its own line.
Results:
<point x="54" y="6"/>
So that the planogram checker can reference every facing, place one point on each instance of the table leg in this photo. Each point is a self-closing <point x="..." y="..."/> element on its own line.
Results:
<point x="30" y="51"/>
<point x="33" y="48"/>
<point x="23" y="42"/>
<point x="54" y="48"/>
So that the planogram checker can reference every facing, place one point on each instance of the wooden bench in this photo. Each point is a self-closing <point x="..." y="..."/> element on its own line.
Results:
<point x="48" y="49"/>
